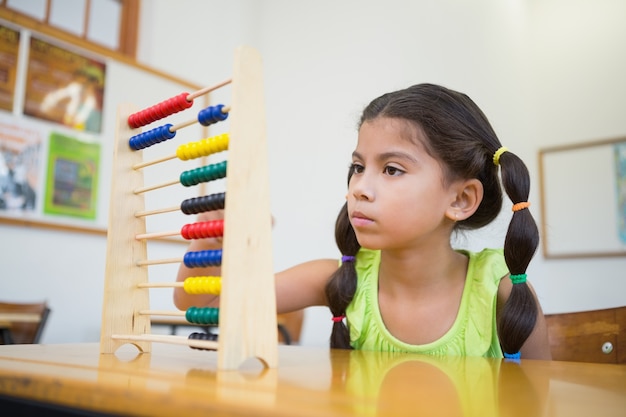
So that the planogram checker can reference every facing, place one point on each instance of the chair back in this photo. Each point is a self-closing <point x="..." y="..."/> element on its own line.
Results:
<point x="588" y="336"/>
<point x="290" y="327"/>
<point x="22" y="323"/>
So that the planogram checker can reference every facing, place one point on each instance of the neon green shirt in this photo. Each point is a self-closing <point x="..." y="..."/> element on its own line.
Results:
<point x="474" y="330"/>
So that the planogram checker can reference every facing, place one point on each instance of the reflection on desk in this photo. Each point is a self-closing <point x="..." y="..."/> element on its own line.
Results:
<point x="175" y="380"/>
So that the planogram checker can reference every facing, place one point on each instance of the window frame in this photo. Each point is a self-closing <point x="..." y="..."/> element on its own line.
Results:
<point x="127" y="44"/>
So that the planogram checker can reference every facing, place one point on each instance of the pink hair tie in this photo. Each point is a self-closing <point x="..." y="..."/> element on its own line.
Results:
<point x="337" y="319"/>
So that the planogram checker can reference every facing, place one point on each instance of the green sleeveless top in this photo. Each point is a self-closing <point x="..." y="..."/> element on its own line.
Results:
<point x="474" y="330"/>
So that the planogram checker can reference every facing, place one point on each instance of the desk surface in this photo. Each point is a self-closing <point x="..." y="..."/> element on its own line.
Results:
<point x="177" y="380"/>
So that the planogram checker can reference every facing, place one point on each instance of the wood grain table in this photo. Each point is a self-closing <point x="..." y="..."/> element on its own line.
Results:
<point x="172" y="380"/>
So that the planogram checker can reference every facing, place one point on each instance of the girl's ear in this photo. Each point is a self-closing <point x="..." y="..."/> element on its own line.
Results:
<point x="468" y="195"/>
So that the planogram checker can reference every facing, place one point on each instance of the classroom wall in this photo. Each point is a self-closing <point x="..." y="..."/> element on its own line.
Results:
<point x="545" y="73"/>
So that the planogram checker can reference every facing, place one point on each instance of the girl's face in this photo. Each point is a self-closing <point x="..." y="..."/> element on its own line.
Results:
<point x="397" y="196"/>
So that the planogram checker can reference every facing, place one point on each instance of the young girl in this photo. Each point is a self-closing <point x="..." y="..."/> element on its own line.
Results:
<point x="425" y="165"/>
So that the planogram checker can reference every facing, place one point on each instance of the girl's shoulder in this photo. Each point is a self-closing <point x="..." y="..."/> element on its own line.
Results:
<point x="488" y="267"/>
<point x="486" y="264"/>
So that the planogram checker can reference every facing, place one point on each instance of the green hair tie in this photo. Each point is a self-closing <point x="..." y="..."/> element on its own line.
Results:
<point x="518" y="279"/>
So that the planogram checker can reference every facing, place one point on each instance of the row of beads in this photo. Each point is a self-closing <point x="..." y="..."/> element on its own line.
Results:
<point x="203" y="285"/>
<point x="203" y="315"/>
<point x="203" y="174"/>
<point x="202" y="336"/>
<point x="204" y="147"/>
<point x="158" y="111"/>
<point x="201" y="230"/>
<point x="151" y="137"/>
<point x="201" y="204"/>
<point x="203" y="258"/>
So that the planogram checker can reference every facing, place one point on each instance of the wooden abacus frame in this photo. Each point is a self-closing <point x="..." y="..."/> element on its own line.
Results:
<point x="247" y="311"/>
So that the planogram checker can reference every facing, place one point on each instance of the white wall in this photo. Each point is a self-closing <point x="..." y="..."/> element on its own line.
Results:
<point x="545" y="72"/>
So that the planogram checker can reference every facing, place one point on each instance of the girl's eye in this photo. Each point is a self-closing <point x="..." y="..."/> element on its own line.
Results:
<point x="357" y="168"/>
<point x="393" y="171"/>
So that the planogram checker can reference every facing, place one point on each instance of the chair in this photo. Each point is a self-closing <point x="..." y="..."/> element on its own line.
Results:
<point x="290" y="327"/>
<point x="22" y="323"/>
<point x="588" y="336"/>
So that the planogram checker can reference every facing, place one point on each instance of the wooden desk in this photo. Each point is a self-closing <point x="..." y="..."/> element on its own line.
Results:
<point x="176" y="380"/>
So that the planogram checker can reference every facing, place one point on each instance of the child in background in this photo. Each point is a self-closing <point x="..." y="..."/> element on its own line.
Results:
<point x="426" y="165"/>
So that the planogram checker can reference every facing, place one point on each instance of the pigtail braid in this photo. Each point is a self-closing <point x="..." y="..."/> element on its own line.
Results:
<point x="341" y="287"/>
<point x="519" y="314"/>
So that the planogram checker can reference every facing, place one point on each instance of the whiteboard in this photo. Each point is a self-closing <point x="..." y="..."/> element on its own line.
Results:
<point x="583" y="194"/>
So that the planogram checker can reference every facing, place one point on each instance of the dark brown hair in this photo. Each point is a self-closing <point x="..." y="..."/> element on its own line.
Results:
<point x="459" y="135"/>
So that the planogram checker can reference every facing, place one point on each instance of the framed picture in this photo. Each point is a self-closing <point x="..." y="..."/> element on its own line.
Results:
<point x="20" y="172"/>
<point x="64" y="87"/>
<point x="72" y="177"/>
<point x="583" y="196"/>
<point x="9" y="51"/>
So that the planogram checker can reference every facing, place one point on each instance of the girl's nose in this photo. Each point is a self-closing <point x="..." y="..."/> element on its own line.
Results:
<point x="360" y="191"/>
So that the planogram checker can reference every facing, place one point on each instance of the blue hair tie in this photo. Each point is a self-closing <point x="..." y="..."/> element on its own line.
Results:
<point x="347" y="258"/>
<point x="513" y="356"/>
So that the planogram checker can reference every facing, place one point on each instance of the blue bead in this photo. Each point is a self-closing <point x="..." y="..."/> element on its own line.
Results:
<point x="151" y="137"/>
<point x="203" y="258"/>
<point x="211" y="115"/>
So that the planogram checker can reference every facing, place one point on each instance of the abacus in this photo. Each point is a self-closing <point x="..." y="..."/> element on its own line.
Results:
<point x="246" y="317"/>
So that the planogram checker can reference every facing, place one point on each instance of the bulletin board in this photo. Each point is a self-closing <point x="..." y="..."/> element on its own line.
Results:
<point x="583" y="195"/>
<point x="55" y="171"/>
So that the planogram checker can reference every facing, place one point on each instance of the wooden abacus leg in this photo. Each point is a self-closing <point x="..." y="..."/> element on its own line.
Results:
<point x="122" y="296"/>
<point x="248" y="300"/>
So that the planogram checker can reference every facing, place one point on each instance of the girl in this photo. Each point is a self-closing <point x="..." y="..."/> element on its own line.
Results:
<point x="426" y="165"/>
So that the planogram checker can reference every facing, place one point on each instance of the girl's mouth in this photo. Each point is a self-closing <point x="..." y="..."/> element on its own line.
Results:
<point x="359" y="219"/>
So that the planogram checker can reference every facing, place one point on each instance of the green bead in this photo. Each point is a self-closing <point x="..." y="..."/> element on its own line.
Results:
<point x="190" y="314"/>
<point x="204" y="315"/>
<point x="203" y="174"/>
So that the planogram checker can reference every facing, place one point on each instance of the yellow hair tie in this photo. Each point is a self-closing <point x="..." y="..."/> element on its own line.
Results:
<point x="496" y="156"/>
<point x="521" y="206"/>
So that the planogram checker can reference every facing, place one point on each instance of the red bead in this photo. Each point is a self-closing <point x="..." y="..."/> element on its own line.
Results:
<point x="160" y="110"/>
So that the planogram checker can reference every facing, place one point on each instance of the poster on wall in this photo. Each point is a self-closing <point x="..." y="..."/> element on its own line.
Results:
<point x="64" y="87"/>
<point x="20" y="149"/>
<point x="72" y="177"/>
<point x="9" y="50"/>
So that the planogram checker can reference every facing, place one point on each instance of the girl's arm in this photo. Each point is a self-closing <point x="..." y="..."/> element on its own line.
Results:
<point x="537" y="346"/>
<point x="303" y="285"/>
